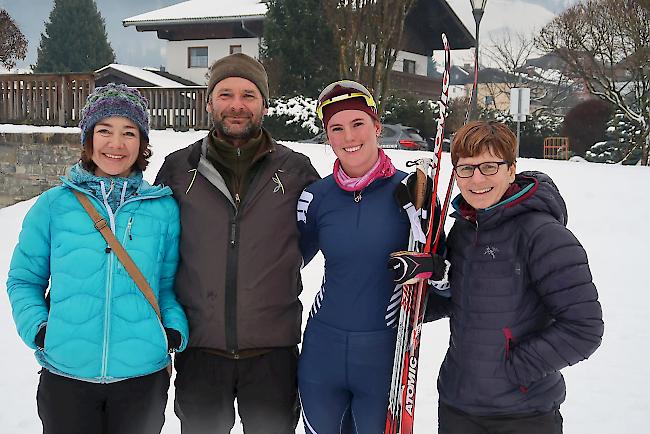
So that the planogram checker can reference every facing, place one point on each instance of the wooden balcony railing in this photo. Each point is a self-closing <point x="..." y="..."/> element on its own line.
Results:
<point x="57" y="99"/>
<point x="44" y="99"/>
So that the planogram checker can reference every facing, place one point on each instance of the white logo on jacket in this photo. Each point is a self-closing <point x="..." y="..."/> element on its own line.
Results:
<point x="491" y="251"/>
<point x="278" y="183"/>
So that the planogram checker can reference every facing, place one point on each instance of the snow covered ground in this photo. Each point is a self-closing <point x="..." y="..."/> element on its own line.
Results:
<point x="606" y="394"/>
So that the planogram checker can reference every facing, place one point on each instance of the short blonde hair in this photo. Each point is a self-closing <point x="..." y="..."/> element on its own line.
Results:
<point x="477" y="137"/>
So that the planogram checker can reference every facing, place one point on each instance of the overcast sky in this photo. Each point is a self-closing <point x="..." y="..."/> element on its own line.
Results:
<point x="145" y="49"/>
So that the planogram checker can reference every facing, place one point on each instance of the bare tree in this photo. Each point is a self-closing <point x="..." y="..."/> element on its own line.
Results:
<point x="550" y="88"/>
<point x="13" y="45"/>
<point x="606" y="43"/>
<point x="368" y="34"/>
<point x="509" y="51"/>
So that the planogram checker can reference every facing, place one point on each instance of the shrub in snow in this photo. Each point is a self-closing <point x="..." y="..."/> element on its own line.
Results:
<point x="621" y="135"/>
<point x="586" y="123"/>
<point x="292" y="118"/>
<point x="413" y="112"/>
<point x="533" y="131"/>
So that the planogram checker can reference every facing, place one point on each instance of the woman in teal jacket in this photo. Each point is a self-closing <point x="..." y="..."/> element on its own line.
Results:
<point x="103" y="349"/>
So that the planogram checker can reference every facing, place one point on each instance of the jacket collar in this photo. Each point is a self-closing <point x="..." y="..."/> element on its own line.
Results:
<point x="200" y="147"/>
<point x="520" y="190"/>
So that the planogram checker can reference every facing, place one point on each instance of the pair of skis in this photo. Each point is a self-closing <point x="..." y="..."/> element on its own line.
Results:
<point x="401" y="403"/>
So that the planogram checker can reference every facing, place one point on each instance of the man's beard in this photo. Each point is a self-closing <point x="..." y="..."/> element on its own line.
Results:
<point x="227" y="132"/>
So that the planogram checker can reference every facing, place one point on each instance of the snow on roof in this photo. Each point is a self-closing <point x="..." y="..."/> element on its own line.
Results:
<point x="143" y="74"/>
<point x="202" y="11"/>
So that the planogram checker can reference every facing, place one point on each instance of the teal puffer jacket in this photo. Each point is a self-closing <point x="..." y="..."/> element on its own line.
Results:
<point x="100" y="327"/>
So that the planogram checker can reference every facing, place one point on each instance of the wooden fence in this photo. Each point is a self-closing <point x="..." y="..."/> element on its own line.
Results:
<point x="57" y="99"/>
<point x="180" y="108"/>
<point x="44" y="99"/>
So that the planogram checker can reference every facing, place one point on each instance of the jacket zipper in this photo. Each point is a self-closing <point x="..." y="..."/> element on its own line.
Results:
<point x="128" y="230"/>
<point x="357" y="199"/>
<point x="232" y="266"/>
<point x="107" y="314"/>
<point x="508" y="335"/>
<point x="109" y="284"/>
<point x="230" y="302"/>
<point x="509" y="339"/>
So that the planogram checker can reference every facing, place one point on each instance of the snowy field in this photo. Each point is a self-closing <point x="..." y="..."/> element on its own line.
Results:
<point x="607" y="394"/>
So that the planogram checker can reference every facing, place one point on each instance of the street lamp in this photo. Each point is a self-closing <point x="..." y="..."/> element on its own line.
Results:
<point x="478" y="7"/>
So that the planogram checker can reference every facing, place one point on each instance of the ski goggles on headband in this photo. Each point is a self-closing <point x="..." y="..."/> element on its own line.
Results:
<point x="352" y="86"/>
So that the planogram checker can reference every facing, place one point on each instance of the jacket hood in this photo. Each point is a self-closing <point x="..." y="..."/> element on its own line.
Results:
<point x="537" y="193"/>
<point x="545" y="198"/>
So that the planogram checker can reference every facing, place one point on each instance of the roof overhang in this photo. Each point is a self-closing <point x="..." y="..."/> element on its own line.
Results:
<point x="156" y="24"/>
<point x="427" y="20"/>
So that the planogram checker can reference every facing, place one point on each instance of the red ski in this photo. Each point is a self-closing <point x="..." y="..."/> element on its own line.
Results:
<point x="401" y="404"/>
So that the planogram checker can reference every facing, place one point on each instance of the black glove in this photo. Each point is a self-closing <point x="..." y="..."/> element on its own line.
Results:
<point x="173" y="340"/>
<point x="410" y="266"/>
<point x="39" y="340"/>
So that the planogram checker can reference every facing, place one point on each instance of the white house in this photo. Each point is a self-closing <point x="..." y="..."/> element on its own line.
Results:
<point x="201" y="31"/>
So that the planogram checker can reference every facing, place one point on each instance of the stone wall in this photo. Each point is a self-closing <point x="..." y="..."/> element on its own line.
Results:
<point x="30" y="163"/>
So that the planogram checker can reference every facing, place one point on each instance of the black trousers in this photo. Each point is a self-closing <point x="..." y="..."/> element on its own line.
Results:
<point x="265" y="387"/>
<point x="454" y="421"/>
<point x="134" y="406"/>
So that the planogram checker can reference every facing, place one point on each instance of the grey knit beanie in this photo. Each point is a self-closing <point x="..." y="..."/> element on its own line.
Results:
<point x="240" y="65"/>
<point x="114" y="100"/>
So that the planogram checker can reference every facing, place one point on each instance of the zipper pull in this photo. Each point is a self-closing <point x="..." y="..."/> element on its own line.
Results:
<point x="233" y="231"/>
<point x="238" y="152"/>
<point x="128" y="228"/>
<point x="237" y="198"/>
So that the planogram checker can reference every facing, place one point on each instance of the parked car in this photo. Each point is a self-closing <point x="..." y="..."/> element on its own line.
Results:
<point x="393" y="136"/>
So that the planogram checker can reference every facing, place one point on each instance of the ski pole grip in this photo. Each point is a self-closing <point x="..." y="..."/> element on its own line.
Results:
<point x="420" y="188"/>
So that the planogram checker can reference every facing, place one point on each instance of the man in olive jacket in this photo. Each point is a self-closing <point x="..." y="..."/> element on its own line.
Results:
<point x="239" y="273"/>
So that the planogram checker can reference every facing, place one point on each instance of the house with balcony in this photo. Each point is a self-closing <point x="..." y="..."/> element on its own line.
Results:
<point x="198" y="32"/>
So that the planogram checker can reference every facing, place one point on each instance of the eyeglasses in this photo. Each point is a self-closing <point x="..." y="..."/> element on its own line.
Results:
<point x="361" y="92"/>
<point x="488" y="168"/>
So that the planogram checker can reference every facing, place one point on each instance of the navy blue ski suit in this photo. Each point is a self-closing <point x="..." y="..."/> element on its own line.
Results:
<point x="349" y="342"/>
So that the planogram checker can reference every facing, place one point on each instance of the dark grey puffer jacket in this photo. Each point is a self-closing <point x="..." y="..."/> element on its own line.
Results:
<point x="523" y="305"/>
<point x="239" y="272"/>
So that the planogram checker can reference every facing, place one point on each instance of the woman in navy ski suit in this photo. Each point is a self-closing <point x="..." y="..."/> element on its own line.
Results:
<point x="352" y="217"/>
<point x="103" y="350"/>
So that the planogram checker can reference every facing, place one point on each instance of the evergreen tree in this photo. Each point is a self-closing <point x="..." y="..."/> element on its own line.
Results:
<point x="622" y="135"/>
<point x="406" y="109"/>
<point x="74" y="39"/>
<point x="298" y="48"/>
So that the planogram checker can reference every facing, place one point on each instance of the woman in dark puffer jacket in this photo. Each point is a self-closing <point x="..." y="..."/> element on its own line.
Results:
<point x="523" y="304"/>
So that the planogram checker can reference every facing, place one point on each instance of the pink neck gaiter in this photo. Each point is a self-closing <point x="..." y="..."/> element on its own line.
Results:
<point x="383" y="168"/>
